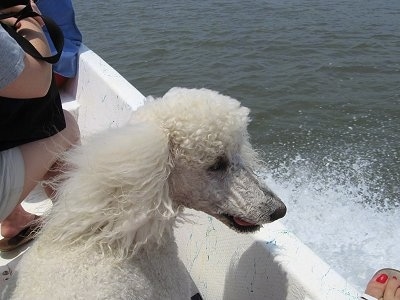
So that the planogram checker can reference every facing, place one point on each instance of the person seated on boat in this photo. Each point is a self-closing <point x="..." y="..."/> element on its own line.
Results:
<point x="384" y="285"/>
<point x="34" y="129"/>
<point x="62" y="12"/>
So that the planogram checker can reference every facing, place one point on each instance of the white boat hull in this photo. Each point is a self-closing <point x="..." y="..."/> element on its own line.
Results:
<point x="271" y="264"/>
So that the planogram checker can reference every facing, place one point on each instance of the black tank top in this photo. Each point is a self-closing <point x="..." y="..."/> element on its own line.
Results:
<point x="27" y="120"/>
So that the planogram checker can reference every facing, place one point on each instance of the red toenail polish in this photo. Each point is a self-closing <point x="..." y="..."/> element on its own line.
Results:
<point x="382" y="278"/>
<point x="394" y="277"/>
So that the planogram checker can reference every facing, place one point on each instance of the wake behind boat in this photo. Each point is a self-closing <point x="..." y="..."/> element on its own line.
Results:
<point x="270" y="264"/>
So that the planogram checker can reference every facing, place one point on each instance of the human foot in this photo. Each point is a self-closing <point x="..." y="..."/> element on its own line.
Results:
<point x="384" y="285"/>
<point x="16" y="221"/>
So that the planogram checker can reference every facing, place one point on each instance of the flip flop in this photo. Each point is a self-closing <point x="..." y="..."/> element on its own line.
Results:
<point x="368" y="297"/>
<point x="196" y="297"/>
<point x="390" y="272"/>
<point x="24" y="236"/>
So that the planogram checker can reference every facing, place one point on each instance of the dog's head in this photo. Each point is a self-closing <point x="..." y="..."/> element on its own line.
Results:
<point x="212" y="161"/>
<point x="126" y="185"/>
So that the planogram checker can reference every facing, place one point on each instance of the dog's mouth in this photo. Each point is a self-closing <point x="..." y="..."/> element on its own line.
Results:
<point x="239" y="224"/>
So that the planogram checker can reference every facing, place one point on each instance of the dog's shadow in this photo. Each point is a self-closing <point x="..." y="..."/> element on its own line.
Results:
<point x="255" y="275"/>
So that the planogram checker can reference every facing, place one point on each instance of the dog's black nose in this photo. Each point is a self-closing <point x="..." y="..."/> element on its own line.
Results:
<point x="280" y="212"/>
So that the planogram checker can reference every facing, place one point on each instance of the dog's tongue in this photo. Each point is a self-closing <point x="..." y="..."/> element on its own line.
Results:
<point x="242" y="222"/>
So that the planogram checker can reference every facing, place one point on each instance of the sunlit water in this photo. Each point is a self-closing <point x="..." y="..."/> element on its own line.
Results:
<point x="322" y="79"/>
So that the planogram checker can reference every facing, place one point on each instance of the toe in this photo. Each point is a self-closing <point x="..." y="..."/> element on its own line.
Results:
<point x="377" y="285"/>
<point x="392" y="291"/>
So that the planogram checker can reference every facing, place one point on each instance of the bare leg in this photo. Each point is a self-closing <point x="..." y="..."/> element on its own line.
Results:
<point x="39" y="157"/>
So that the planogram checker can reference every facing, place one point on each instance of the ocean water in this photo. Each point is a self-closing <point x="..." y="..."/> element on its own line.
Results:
<point x="322" y="79"/>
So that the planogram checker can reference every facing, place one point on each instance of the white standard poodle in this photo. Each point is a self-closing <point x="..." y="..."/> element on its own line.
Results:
<point x="110" y="232"/>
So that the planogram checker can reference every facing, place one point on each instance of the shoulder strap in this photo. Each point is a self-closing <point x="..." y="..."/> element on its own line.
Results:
<point x="54" y="31"/>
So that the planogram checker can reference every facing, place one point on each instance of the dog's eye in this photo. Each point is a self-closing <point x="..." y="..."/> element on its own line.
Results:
<point x="220" y="165"/>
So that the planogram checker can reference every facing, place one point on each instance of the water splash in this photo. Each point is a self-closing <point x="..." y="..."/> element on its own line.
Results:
<point x="335" y="209"/>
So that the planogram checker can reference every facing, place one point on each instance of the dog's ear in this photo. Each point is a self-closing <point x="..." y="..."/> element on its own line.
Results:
<point x="117" y="194"/>
<point x="144" y="195"/>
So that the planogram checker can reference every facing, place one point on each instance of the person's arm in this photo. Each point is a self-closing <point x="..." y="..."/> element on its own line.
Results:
<point x="34" y="81"/>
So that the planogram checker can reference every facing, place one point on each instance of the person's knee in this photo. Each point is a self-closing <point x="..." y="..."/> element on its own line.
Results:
<point x="71" y="132"/>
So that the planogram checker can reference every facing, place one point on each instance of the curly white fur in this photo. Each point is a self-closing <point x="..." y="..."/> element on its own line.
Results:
<point x="110" y="232"/>
<point x="111" y="170"/>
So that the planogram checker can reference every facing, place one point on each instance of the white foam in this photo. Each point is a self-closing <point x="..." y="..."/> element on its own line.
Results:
<point x="339" y="214"/>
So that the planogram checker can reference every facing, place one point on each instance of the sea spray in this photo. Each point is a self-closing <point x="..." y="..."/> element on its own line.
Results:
<point x="339" y="214"/>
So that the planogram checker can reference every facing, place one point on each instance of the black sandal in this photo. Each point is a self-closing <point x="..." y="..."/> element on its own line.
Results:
<point x="24" y="236"/>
